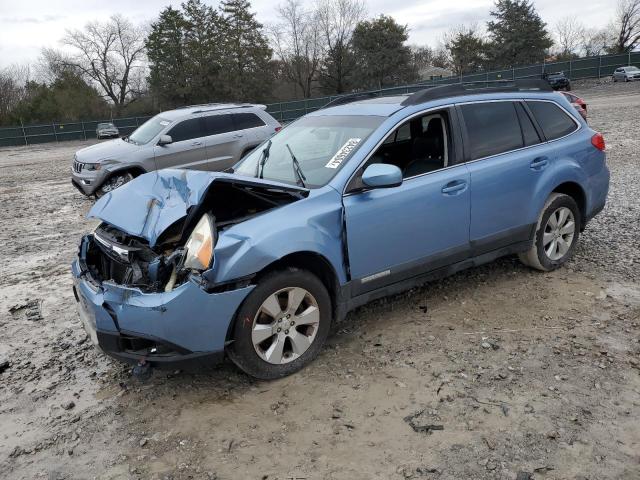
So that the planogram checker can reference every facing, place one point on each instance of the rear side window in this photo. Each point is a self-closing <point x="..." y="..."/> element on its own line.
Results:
<point x="216" y="124"/>
<point x="529" y="132"/>
<point x="186" y="130"/>
<point x="492" y="128"/>
<point x="247" y="120"/>
<point x="554" y="121"/>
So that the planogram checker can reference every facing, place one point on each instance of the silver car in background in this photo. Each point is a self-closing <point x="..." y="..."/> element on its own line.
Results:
<point x="107" y="130"/>
<point x="200" y="137"/>
<point x="626" y="74"/>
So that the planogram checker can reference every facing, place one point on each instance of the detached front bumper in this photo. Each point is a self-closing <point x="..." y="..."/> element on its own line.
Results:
<point x="174" y="329"/>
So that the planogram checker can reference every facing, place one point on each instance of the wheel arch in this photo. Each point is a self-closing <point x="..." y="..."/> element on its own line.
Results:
<point x="575" y="191"/>
<point x="313" y="262"/>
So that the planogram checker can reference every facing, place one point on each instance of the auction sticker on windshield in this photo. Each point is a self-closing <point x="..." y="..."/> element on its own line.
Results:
<point x="343" y="153"/>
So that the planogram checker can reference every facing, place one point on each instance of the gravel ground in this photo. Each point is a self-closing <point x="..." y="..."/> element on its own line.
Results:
<point x="495" y="373"/>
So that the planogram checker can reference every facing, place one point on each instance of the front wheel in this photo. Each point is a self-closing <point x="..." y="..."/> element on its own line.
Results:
<point x="113" y="182"/>
<point x="282" y="324"/>
<point x="556" y="234"/>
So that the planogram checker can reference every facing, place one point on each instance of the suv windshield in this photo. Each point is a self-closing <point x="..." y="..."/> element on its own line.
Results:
<point x="632" y="69"/>
<point x="148" y="130"/>
<point x="320" y="144"/>
<point x="105" y="125"/>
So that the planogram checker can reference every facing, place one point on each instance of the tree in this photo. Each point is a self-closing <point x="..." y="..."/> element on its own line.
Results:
<point x="298" y="44"/>
<point x="246" y="58"/>
<point x="467" y="49"/>
<point x="338" y="19"/>
<point x="110" y="54"/>
<point x="12" y="89"/>
<point x="518" y="35"/>
<point x="383" y="57"/>
<point x="626" y="26"/>
<point x="167" y="62"/>
<point x="203" y="47"/>
<point x="569" y="34"/>
<point x="594" y="42"/>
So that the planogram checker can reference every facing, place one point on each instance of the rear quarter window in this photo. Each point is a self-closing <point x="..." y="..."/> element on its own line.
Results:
<point x="492" y="128"/>
<point x="553" y="120"/>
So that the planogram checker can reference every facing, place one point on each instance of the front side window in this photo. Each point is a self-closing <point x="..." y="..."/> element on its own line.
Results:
<point x="322" y="145"/>
<point x="186" y="130"/>
<point x="554" y="121"/>
<point x="148" y="130"/>
<point x="492" y="128"/>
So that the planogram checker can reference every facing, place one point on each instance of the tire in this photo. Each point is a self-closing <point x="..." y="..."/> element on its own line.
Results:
<point x="113" y="182"/>
<point x="615" y="80"/>
<point x="273" y="362"/>
<point x="537" y="256"/>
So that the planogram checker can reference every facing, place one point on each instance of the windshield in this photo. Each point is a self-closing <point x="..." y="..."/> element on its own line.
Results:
<point x="632" y="69"/>
<point x="148" y="130"/>
<point x="320" y="146"/>
<point x="105" y="125"/>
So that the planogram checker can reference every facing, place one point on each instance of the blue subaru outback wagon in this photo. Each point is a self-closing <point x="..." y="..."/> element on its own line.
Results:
<point x="358" y="200"/>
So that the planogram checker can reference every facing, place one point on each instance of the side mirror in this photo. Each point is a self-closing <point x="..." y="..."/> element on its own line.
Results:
<point x="165" y="140"/>
<point x="382" y="175"/>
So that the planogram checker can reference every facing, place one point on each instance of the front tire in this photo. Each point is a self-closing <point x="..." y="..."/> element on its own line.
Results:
<point x="556" y="236"/>
<point x="282" y="325"/>
<point x="113" y="182"/>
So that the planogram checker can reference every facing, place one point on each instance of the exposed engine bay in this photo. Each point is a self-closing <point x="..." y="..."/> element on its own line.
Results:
<point x="186" y="246"/>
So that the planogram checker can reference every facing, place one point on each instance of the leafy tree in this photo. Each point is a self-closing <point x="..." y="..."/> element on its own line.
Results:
<point x="467" y="49"/>
<point x="518" y="34"/>
<point x="167" y="61"/>
<point x="246" y="57"/>
<point x="383" y="57"/>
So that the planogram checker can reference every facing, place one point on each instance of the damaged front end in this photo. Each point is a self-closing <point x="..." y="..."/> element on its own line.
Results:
<point x="142" y="283"/>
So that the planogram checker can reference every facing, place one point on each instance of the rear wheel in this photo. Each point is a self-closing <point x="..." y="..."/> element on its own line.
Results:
<point x="113" y="182"/>
<point x="556" y="235"/>
<point x="282" y="324"/>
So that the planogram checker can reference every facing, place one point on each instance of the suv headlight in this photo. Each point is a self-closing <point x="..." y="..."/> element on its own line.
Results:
<point x="92" y="166"/>
<point x="199" y="246"/>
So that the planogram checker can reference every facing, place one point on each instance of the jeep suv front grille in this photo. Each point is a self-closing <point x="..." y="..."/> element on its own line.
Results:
<point x="77" y="166"/>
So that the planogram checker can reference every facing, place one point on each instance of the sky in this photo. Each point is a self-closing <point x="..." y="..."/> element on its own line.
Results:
<point x="28" y="25"/>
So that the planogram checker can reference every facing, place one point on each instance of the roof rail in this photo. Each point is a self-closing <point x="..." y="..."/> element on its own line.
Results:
<point x="227" y="106"/>
<point x="350" y="98"/>
<point x="459" y="89"/>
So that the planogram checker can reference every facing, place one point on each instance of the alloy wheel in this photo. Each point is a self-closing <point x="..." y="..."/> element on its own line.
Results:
<point x="558" y="233"/>
<point x="285" y="326"/>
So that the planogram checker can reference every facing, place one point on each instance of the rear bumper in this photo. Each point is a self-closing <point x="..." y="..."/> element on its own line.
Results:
<point x="181" y="328"/>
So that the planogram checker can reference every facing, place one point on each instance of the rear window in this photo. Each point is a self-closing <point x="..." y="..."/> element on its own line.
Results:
<point x="554" y="121"/>
<point x="247" y="120"/>
<point x="186" y="130"/>
<point x="216" y="124"/>
<point x="492" y="128"/>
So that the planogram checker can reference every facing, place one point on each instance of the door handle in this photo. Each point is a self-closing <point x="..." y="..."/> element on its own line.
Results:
<point x="238" y="135"/>
<point x="195" y="144"/>
<point x="539" y="163"/>
<point x="454" y="187"/>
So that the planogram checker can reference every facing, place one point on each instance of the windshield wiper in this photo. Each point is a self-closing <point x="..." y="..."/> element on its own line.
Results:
<point x="296" y="167"/>
<point x="263" y="160"/>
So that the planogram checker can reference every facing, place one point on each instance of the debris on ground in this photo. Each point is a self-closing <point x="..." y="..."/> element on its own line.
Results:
<point x="415" y="421"/>
<point x="31" y="310"/>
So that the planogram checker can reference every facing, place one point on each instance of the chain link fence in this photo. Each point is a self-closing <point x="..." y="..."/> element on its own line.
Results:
<point x="581" y="68"/>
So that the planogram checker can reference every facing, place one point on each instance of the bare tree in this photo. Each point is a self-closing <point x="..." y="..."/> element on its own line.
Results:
<point x="569" y="33"/>
<point x="626" y="26"/>
<point x="298" y="44"/>
<point x="13" y="83"/>
<point x="595" y="42"/>
<point x="337" y="20"/>
<point x="110" y="54"/>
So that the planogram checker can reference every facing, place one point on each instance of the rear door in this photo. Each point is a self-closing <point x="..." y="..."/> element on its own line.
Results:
<point x="252" y="127"/>
<point x="187" y="149"/>
<point x="505" y="159"/>
<point x="224" y="142"/>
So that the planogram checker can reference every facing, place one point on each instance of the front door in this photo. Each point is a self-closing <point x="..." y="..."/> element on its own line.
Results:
<point x="187" y="149"/>
<point x="401" y="232"/>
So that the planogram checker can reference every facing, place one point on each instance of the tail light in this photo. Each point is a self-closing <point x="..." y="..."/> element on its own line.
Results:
<point x="278" y="128"/>
<point x="598" y="141"/>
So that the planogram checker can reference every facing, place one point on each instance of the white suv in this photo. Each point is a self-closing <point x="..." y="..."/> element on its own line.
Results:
<point x="199" y="137"/>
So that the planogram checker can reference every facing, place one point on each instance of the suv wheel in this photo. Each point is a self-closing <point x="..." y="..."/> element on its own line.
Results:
<point x="113" y="182"/>
<point x="282" y="324"/>
<point x="556" y="234"/>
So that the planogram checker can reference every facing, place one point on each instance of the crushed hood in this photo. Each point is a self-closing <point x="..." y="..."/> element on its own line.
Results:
<point x="146" y="206"/>
<point x="109" y="150"/>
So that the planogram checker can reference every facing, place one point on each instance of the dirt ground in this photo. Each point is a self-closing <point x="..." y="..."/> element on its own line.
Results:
<point x="498" y="372"/>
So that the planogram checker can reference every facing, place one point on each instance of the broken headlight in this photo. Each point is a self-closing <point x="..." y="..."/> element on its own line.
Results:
<point x="199" y="246"/>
